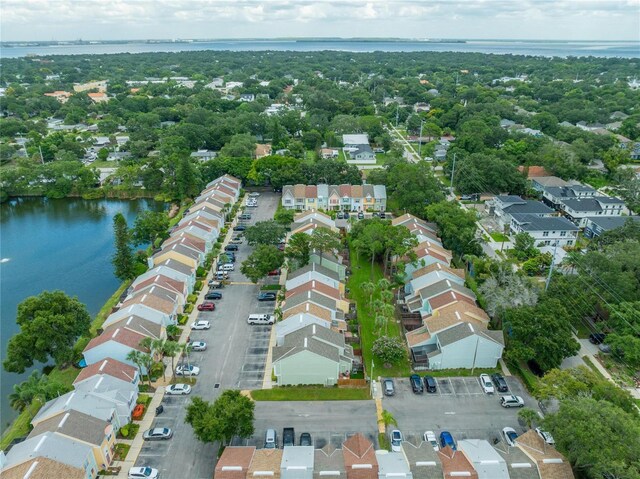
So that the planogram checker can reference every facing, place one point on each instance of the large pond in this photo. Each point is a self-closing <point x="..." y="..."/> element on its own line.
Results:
<point x="55" y="244"/>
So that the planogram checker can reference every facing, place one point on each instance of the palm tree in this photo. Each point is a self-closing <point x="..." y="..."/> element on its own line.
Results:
<point x="386" y="296"/>
<point x="147" y="361"/>
<point x="377" y="305"/>
<point x="384" y="284"/>
<point x="369" y="288"/>
<point x="157" y="347"/>
<point x="26" y="392"/>
<point x="528" y="416"/>
<point x="388" y="311"/>
<point x="185" y="349"/>
<point x="381" y="323"/>
<point x="387" y="418"/>
<point x="135" y="357"/>
<point x="171" y="348"/>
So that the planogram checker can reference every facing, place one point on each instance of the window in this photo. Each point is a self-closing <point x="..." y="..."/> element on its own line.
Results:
<point x="287" y="202"/>
<point x="547" y="243"/>
<point x="545" y="233"/>
<point x="570" y="242"/>
<point x="311" y="200"/>
<point x="563" y="233"/>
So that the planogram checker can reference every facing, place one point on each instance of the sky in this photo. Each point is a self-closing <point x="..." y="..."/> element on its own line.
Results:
<point x="22" y="20"/>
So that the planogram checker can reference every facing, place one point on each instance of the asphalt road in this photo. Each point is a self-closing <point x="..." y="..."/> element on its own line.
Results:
<point x="460" y="407"/>
<point x="234" y="359"/>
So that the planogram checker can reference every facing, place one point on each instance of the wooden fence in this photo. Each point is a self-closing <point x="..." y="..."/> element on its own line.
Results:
<point x="352" y="383"/>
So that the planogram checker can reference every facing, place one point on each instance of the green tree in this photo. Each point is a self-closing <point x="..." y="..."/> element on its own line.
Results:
<point x="148" y="226"/>
<point x="323" y="240"/>
<point x="37" y="387"/>
<point x="171" y="349"/>
<point x="239" y="146"/>
<point x="284" y="217"/>
<point x="574" y="429"/>
<point x="541" y="332"/>
<point x="412" y="186"/>
<point x="264" y="258"/>
<point x="524" y="246"/>
<point x="49" y="324"/>
<point x="123" y="259"/>
<point x="389" y="350"/>
<point x="265" y="233"/>
<point x="298" y="249"/>
<point x="368" y="288"/>
<point x="231" y="415"/>
<point x="528" y="416"/>
<point x="103" y="154"/>
<point x="457" y="227"/>
<point x="187" y="182"/>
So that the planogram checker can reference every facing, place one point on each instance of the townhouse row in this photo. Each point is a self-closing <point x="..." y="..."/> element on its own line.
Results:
<point x="445" y="327"/>
<point x="357" y="458"/>
<point x="73" y="435"/>
<point x="335" y="197"/>
<point x="312" y="338"/>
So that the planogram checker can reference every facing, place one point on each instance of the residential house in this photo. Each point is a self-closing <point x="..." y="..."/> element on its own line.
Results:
<point x="369" y="198"/>
<point x="215" y="83"/>
<point x="114" y="343"/>
<point x="310" y="197"/>
<point x="330" y="261"/>
<point x="597" y="225"/>
<point x="204" y="155"/>
<point x="140" y="325"/>
<point x="555" y="195"/>
<point x="124" y="395"/>
<point x="380" y="197"/>
<point x="50" y="453"/>
<point x="186" y="273"/>
<point x="418" y="107"/>
<point x="262" y="150"/>
<point x="296" y="322"/>
<point x="207" y="233"/>
<point x="431" y="274"/>
<point x="187" y="280"/>
<point x="635" y="151"/>
<point x="328" y="461"/>
<point x="423" y="460"/>
<point x="316" y="286"/>
<point x="438" y="295"/>
<point x="309" y="227"/>
<point x="485" y="459"/>
<point x="61" y="96"/>
<point x="548" y="231"/>
<point x="100" y="85"/>
<point x="551" y="464"/>
<point x="99" y="97"/>
<point x="360" y="460"/>
<point x="335" y="197"/>
<point x="156" y="299"/>
<point x="181" y="253"/>
<point x="539" y="183"/>
<point x="265" y="464"/>
<point x="234" y="462"/>
<point x="313" y="215"/>
<point x="181" y="238"/>
<point x="316" y="304"/>
<point x="361" y="154"/>
<point x="312" y="355"/>
<point x="110" y="367"/>
<point x="354" y="140"/>
<point x="41" y="467"/>
<point x="455" y="464"/>
<point x="518" y="463"/>
<point x="533" y="171"/>
<point x="504" y="206"/>
<point x="427" y="253"/>
<point x="329" y="153"/>
<point x="247" y="97"/>
<point x="297" y="462"/>
<point x="316" y="272"/>
<point x="392" y="465"/>
<point x="93" y="432"/>
<point x="579" y="210"/>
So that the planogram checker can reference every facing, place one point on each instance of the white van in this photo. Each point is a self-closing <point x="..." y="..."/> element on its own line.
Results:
<point x="221" y="275"/>
<point x="226" y="267"/>
<point x="261" y="319"/>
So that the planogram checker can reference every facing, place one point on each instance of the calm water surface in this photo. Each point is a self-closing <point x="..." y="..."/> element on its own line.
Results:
<point x="55" y="244"/>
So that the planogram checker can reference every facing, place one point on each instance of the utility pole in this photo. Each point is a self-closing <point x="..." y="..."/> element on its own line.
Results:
<point x="420" y="144"/>
<point x="555" y="248"/>
<point x="453" y="169"/>
<point x="397" y="114"/>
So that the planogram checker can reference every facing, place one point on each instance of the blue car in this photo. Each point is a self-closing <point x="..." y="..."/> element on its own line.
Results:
<point x="446" y="439"/>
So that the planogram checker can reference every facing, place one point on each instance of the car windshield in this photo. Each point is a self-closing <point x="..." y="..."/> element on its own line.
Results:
<point x="147" y="471"/>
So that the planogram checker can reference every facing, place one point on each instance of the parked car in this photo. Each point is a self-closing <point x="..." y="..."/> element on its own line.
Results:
<point x="254" y="193"/>
<point x="511" y="401"/>
<point x="389" y="388"/>
<point x="510" y="435"/>
<point x="604" y="348"/>
<point x="500" y="382"/>
<point x="236" y="241"/>
<point x="346" y="215"/>
<point x="430" y="384"/>
<point x="396" y="440"/>
<point x="383" y="215"/>
<point x="178" y="389"/>
<point x="288" y="437"/>
<point x="271" y="439"/>
<point x="239" y="228"/>
<point x="231" y="247"/>
<point x="375" y="214"/>
<point x="187" y="370"/>
<point x="597" y="338"/>
<point x="340" y="215"/>
<point x="201" y="324"/>
<point x="267" y="296"/>
<point x="213" y="295"/>
<point x="275" y="272"/>
<point x="430" y="437"/>
<point x="145" y="472"/>
<point x="157" y="434"/>
<point x="305" y="439"/>
<point x="360" y="215"/>
<point x="547" y="437"/>
<point x="222" y="275"/>
<point x="487" y="385"/>
<point x="446" y="439"/>
<point x="416" y="384"/>
<point x="206" y="307"/>
<point x="198" y="345"/>
<point x="245" y="216"/>
<point x="214" y="284"/>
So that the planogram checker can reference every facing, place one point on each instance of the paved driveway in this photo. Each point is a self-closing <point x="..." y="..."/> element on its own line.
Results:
<point x="460" y="407"/>
<point x="234" y="359"/>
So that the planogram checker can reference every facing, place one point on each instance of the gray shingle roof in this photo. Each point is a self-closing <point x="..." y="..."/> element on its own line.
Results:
<point x="608" y="223"/>
<point x="454" y="334"/>
<point x="529" y="206"/>
<point x="74" y="424"/>
<point x="52" y="446"/>
<point x="544" y="223"/>
<point x="312" y="296"/>
<point x="518" y="463"/>
<point x="423" y="460"/>
<point x="590" y="204"/>
<point x="319" y="340"/>
<point x="442" y="286"/>
<point x="328" y="459"/>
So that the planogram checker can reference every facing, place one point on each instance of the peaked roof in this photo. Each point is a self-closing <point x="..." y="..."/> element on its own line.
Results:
<point x="455" y="461"/>
<point x="118" y="334"/>
<point x="321" y="341"/>
<point x="357" y="448"/>
<point x="315" y="268"/>
<point x="438" y="267"/>
<point x="110" y="367"/>
<point x="551" y="464"/>
<point x="42" y="468"/>
<point x="74" y="424"/>
<point x="234" y="462"/>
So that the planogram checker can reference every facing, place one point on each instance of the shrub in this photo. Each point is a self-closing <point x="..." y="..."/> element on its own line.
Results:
<point x="187" y="309"/>
<point x="182" y="318"/>
<point x="389" y="350"/>
<point x="192" y="298"/>
<point x="201" y="272"/>
<point x="197" y="286"/>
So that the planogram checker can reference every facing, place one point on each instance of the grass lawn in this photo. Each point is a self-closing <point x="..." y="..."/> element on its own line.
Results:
<point x="310" y="393"/>
<point x="106" y="309"/>
<point x="361" y="273"/>
<point x="121" y="452"/>
<point x="104" y="164"/>
<point x="381" y="159"/>
<point x="593" y="367"/>
<point x="499" y="237"/>
<point x="20" y="426"/>
<point x="64" y="376"/>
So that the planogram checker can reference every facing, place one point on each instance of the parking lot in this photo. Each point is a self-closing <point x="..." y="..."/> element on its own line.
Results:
<point x="459" y="406"/>
<point x="235" y="359"/>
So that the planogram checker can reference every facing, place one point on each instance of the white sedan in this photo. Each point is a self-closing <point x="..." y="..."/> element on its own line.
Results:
<point x="187" y="370"/>
<point x="487" y="384"/>
<point x="198" y="345"/>
<point x="430" y="437"/>
<point x="202" y="324"/>
<point x="178" y="389"/>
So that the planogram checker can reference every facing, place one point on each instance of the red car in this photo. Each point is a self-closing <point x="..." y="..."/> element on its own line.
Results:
<point x="275" y="272"/>
<point x="207" y="307"/>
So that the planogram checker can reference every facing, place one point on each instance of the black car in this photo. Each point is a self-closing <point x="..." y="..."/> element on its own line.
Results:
<point x="360" y="215"/>
<point x="305" y="439"/>
<point x="213" y="295"/>
<point x="245" y="216"/>
<point x="383" y="215"/>
<point x="231" y="247"/>
<point x="416" y="384"/>
<point x="288" y="437"/>
<point x="346" y="215"/>
<point x="499" y="382"/>
<point x="431" y="384"/>
<point x="597" y="338"/>
<point x="239" y="228"/>
<point x="267" y="296"/>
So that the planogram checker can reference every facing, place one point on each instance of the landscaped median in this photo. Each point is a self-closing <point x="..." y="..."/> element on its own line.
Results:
<point x="311" y="393"/>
